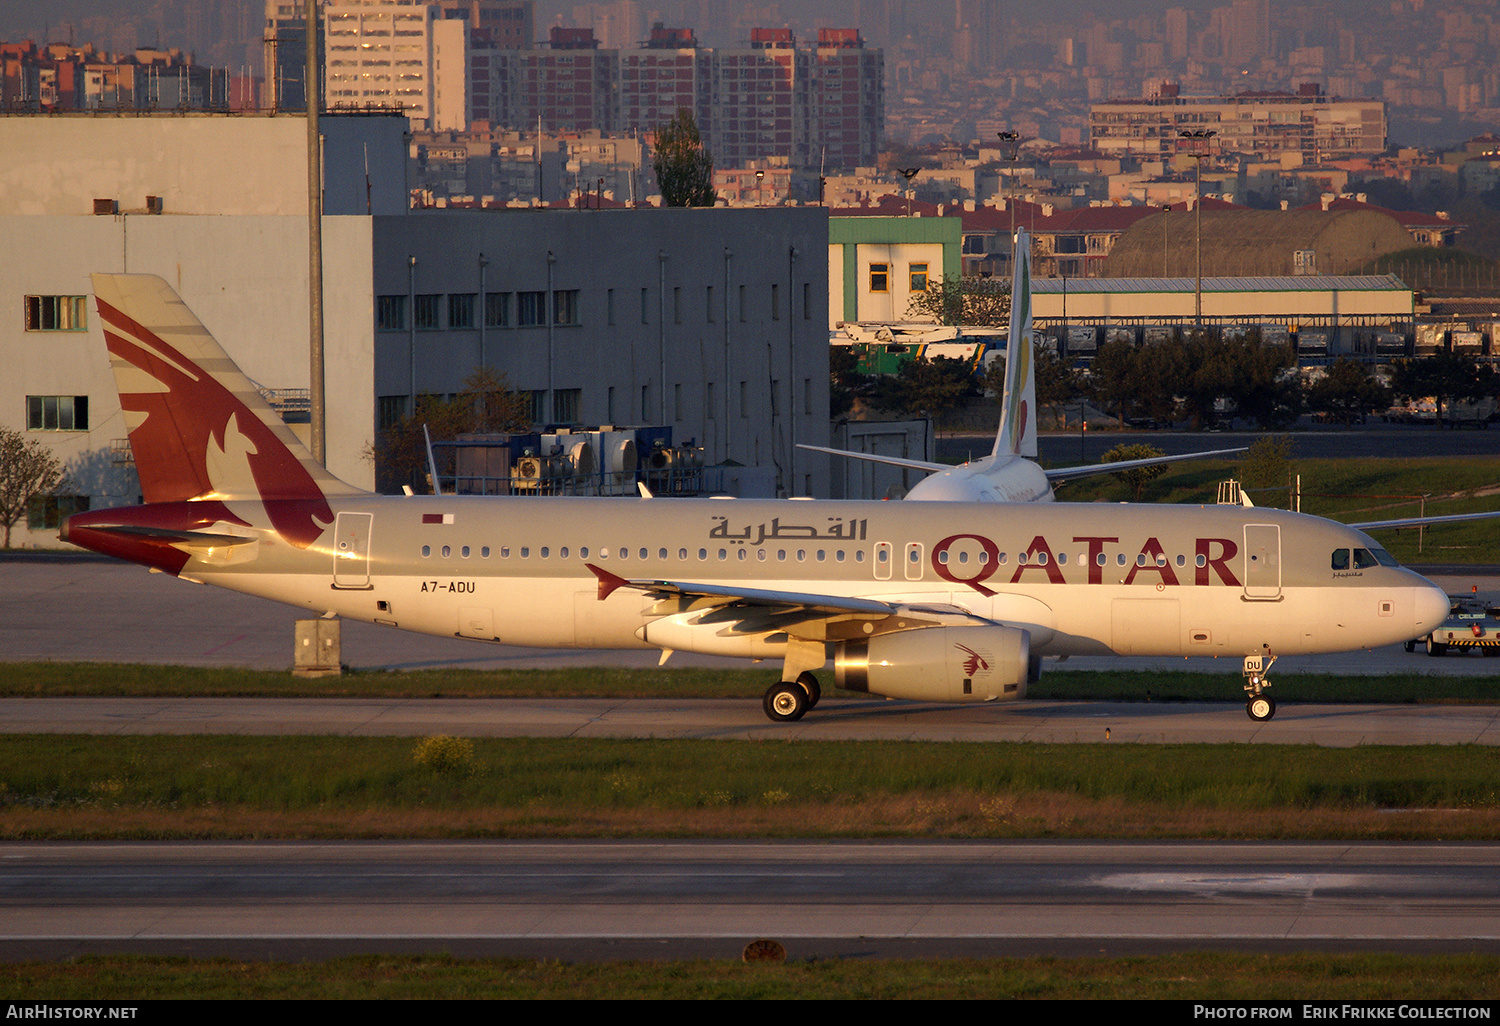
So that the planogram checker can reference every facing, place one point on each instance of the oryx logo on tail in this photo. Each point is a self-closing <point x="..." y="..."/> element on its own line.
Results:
<point x="198" y="427"/>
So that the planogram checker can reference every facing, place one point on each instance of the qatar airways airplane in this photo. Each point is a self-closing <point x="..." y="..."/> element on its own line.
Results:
<point x="934" y="601"/>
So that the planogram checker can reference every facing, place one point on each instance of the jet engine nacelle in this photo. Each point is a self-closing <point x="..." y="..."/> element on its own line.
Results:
<point x="938" y="664"/>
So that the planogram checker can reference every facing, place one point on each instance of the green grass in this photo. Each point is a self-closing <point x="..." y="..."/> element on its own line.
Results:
<point x="90" y="787"/>
<point x="1351" y="491"/>
<point x="1286" y="980"/>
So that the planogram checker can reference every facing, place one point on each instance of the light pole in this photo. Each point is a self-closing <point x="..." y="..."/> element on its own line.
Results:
<point x="908" y="173"/>
<point x="1205" y="134"/>
<point x="1166" y="208"/>
<point x="1010" y="143"/>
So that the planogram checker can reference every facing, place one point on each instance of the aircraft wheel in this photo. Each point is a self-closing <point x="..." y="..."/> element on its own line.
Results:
<point x="810" y="685"/>
<point x="1436" y="648"/>
<point x="1411" y="646"/>
<point x="785" y="702"/>
<point x="1261" y="708"/>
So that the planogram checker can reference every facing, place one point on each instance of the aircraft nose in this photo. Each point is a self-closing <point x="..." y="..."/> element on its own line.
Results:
<point x="1431" y="607"/>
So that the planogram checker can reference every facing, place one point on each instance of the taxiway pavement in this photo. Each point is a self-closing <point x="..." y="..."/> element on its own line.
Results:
<point x="670" y="899"/>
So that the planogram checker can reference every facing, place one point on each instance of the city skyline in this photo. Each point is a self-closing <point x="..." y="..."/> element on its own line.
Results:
<point x="956" y="69"/>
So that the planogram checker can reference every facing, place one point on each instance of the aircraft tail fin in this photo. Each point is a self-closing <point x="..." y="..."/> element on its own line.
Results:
<point x="199" y="428"/>
<point x="1017" y="435"/>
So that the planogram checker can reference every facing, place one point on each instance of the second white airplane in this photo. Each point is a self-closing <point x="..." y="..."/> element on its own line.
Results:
<point x="1009" y="473"/>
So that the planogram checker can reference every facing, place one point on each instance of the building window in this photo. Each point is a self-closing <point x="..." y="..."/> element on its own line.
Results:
<point x="46" y="512"/>
<point x="918" y="282"/>
<point x="425" y="312"/>
<point x="55" y="313"/>
<point x="536" y="399"/>
<point x="57" y="413"/>
<point x="390" y="313"/>
<point x="880" y="277"/>
<point x="389" y="410"/>
<point x="531" y="309"/>
<point x="496" y="309"/>
<point x="565" y="307"/>
<point x="461" y="310"/>
<point x="565" y="404"/>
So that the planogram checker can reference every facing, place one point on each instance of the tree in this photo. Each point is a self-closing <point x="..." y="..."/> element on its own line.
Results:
<point x="1056" y="383"/>
<point x="1259" y="379"/>
<point x="485" y="406"/>
<point x="684" y="169"/>
<point x="27" y="469"/>
<point x="1347" y="392"/>
<point x="1445" y="376"/>
<point x="955" y="301"/>
<point x="1112" y="382"/>
<point x="925" y="386"/>
<point x="1267" y="464"/>
<point x="1137" y="478"/>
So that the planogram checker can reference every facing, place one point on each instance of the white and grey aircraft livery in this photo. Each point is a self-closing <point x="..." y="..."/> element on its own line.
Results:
<point x="953" y="602"/>
<point x="1009" y="473"/>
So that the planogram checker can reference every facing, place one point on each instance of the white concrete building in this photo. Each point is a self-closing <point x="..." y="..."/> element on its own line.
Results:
<point x="711" y="321"/>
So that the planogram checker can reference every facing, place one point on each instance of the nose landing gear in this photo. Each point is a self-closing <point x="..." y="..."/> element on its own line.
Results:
<point x="1259" y="707"/>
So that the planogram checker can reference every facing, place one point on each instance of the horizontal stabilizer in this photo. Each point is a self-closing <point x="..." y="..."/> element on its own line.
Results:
<point x="200" y="538"/>
<point x="894" y="461"/>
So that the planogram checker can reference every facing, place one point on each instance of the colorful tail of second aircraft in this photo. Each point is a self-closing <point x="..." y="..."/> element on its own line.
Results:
<point x="1017" y="435"/>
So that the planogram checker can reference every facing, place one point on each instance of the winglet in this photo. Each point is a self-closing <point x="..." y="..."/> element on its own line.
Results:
<point x="608" y="582"/>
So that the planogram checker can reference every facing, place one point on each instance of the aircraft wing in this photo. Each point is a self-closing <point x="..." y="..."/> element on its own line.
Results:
<point x="1070" y="473"/>
<point x="895" y="461"/>
<point x="753" y="610"/>
<point x="1452" y="518"/>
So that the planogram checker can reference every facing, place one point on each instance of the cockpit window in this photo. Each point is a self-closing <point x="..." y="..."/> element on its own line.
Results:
<point x="1363" y="560"/>
<point x="1341" y="559"/>
<point x="1384" y="558"/>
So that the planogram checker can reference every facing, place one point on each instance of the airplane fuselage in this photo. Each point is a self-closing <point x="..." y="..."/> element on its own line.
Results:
<point x="1082" y="579"/>
<point x="991" y="479"/>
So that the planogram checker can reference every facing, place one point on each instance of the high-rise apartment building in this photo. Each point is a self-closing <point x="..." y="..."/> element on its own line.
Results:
<point x="379" y="54"/>
<point x="759" y="109"/>
<point x="1265" y="125"/>
<point x="815" y="107"/>
<point x="373" y="64"/>
<point x="848" y="102"/>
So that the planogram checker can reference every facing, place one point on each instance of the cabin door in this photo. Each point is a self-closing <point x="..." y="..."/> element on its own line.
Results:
<point x="1262" y="562"/>
<point x="351" y="553"/>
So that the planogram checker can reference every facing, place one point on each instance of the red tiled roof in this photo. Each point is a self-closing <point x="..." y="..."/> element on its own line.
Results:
<point x="1406" y="218"/>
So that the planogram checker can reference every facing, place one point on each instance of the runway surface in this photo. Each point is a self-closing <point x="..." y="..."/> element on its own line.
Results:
<point x="708" y="899"/>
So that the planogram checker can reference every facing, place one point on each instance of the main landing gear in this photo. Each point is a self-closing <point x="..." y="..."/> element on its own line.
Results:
<point x="788" y="701"/>
<point x="1259" y="707"/>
